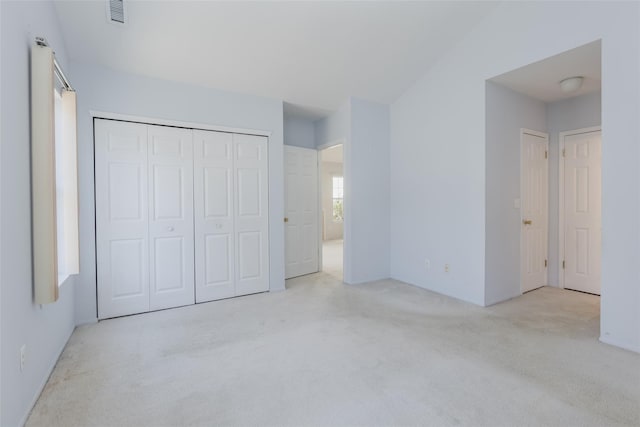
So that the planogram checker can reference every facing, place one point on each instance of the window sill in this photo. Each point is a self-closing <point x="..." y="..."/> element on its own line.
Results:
<point x="62" y="279"/>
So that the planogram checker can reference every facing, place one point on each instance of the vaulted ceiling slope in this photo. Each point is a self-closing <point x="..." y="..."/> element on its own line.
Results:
<point x="313" y="54"/>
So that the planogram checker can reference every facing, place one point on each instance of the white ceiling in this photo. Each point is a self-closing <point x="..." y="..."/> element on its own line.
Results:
<point x="332" y="154"/>
<point x="309" y="54"/>
<point x="541" y="79"/>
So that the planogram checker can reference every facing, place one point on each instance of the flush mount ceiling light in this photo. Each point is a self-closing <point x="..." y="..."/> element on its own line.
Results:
<point x="571" y="84"/>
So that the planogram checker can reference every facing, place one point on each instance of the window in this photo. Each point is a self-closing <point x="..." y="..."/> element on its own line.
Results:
<point x="66" y="185"/>
<point x="54" y="170"/>
<point x="338" y="198"/>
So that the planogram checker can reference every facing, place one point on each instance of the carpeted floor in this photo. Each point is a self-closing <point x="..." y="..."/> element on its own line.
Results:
<point x="323" y="353"/>
<point x="332" y="257"/>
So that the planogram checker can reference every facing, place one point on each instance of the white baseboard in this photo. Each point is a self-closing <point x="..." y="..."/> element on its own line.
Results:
<point x="616" y="343"/>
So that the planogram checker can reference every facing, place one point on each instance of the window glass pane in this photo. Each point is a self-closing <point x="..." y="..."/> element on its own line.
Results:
<point x="60" y="193"/>
<point x="338" y="189"/>
<point x="337" y="209"/>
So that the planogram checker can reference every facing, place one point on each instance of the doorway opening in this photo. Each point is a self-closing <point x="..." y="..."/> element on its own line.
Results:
<point x="526" y="182"/>
<point x="331" y="161"/>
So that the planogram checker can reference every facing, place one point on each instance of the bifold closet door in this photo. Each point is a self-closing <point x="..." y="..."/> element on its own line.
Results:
<point x="144" y="217"/>
<point x="214" y="215"/>
<point x="122" y="235"/>
<point x="231" y="215"/>
<point x="171" y="252"/>
<point x="251" y="213"/>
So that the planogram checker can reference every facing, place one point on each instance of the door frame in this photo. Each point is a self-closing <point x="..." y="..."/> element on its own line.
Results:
<point x="561" y="213"/>
<point x="523" y="132"/>
<point x="345" y="209"/>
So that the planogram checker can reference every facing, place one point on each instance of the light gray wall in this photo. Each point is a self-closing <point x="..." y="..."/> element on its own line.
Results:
<point x="334" y="127"/>
<point x="299" y="132"/>
<point x="570" y="114"/>
<point x="332" y="230"/>
<point x="506" y="113"/>
<point x="364" y="128"/>
<point x="367" y="190"/>
<point x="44" y="329"/>
<point x="101" y="89"/>
<point x="438" y="152"/>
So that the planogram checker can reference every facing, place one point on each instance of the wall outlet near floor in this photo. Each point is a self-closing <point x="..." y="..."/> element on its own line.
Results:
<point x="427" y="263"/>
<point x="23" y="356"/>
<point x="446" y="268"/>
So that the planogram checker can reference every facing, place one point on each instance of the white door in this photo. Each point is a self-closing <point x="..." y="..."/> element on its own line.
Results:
<point x="214" y="214"/>
<point x="170" y="160"/>
<point x="582" y="210"/>
<point x="122" y="236"/>
<point x="534" y="188"/>
<point x="251" y="210"/>
<point x="301" y="211"/>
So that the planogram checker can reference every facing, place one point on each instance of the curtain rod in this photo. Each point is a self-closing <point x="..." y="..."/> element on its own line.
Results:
<point x="40" y="41"/>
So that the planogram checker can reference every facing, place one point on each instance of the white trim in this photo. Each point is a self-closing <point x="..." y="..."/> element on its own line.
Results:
<point x="616" y="343"/>
<point x="545" y="136"/>
<point x="330" y="144"/>
<point x="320" y="215"/>
<point x="176" y="123"/>
<point x="532" y="132"/>
<point x="561" y="137"/>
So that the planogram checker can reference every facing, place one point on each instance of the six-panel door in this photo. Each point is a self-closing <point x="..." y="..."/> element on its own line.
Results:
<point x="301" y="211"/>
<point x="214" y="215"/>
<point x="251" y="218"/>
<point x="582" y="207"/>
<point x="171" y="262"/>
<point x="535" y="219"/>
<point x="122" y="233"/>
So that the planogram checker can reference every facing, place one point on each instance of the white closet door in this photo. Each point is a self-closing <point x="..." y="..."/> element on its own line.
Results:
<point x="171" y="240"/>
<point x="214" y="213"/>
<point x="122" y="237"/>
<point x="251" y="214"/>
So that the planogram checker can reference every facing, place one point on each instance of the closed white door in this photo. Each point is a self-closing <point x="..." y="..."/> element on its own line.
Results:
<point x="582" y="208"/>
<point x="171" y="234"/>
<point x="122" y="236"/>
<point x="534" y="210"/>
<point x="214" y="215"/>
<point x="251" y="210"/>
<point x="301" y="211"/>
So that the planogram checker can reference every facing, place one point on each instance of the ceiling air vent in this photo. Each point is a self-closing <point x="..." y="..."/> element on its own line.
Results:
<point x="115" y="11"/>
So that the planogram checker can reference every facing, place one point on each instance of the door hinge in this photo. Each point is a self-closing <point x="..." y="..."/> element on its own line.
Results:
<point x="545" y="262"/>
<point x="545" y="154"/>
<point x="563" y="152"/>
<point x="563" y="264"/>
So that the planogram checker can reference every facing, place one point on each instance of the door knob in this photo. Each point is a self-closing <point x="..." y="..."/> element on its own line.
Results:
<point x="527" y="222"/>
<point x="169" y="228"/>
<point x="286" y="219"/>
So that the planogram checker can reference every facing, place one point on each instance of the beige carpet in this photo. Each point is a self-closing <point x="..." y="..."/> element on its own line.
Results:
<point x="332" y="257"/>
<point x="323" y="353"/>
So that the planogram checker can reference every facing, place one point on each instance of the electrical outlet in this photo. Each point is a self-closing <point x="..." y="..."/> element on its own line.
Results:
<point x="23" y="356"/>
<point x="446" y="268"/>
<point x="427" y="263"/>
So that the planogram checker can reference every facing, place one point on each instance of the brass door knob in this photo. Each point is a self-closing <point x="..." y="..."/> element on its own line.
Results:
<point x="286" y="219"/>
<point x="527" y="222"/>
